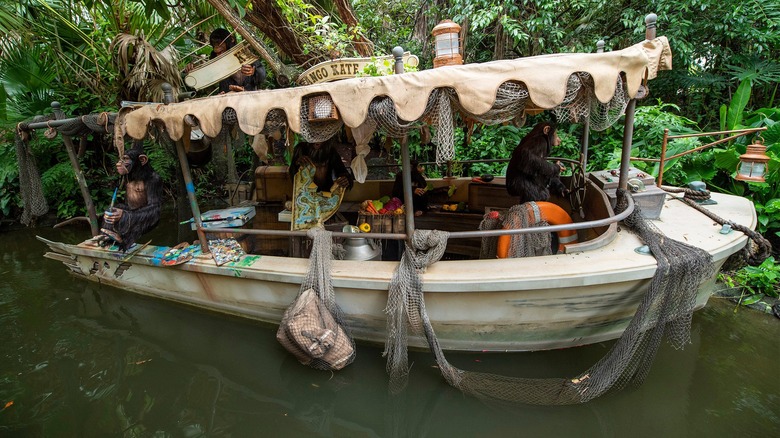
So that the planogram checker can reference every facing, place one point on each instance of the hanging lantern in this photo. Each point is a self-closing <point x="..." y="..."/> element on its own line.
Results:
<point x="322" y="109"/>
<point x="446" y="36"/>
<point x="752" y="164"/>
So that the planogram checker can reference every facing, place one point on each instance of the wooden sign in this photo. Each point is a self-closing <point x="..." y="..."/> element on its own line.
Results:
<point x="345" y="68"/>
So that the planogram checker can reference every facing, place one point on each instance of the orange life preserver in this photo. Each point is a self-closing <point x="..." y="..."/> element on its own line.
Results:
<point x="550" y="213"/>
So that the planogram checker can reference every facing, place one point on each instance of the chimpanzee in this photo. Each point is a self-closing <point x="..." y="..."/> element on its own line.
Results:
<point x="529" y="175"/>
<point x="125" y="223"/>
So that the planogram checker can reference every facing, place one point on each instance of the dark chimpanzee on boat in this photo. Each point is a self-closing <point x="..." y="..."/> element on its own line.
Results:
<point x="327" y="161"/>
<point x="529" y="175"/>
<point x="125" y="223"/>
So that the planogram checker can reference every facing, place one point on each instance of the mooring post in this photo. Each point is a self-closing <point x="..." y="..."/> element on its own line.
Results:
<point x="74" y="162"/>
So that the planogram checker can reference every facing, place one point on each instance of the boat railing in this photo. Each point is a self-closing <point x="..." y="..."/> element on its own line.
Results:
<point x="452" y="235"/>
<point x="663" y="159"/>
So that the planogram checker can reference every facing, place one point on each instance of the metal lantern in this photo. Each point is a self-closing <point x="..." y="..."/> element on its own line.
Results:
<point x="752" y="164"/>
<point x="446" y="36"/>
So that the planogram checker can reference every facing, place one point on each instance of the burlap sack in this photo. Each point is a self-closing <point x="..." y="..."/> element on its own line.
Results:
<point x="309" y="332"/>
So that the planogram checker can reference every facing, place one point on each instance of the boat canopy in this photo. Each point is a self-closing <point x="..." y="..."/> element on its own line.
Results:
<point x="539" y="82"/>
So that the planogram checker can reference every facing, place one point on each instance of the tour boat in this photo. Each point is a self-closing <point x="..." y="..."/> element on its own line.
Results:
<point x="587" y="292"/>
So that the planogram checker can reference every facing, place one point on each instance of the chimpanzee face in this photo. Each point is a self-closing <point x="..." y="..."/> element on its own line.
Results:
<point x="124" y="165"/>
<point x="129" y="161"/>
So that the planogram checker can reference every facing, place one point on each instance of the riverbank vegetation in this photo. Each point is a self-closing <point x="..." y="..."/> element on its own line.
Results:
<point x="91" y="55"/>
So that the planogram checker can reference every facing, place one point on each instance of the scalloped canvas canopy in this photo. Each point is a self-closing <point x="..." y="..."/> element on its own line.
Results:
<point x="545" y="78"/>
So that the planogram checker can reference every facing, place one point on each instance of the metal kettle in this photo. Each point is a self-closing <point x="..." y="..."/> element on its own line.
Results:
<point x="360" y="248"/>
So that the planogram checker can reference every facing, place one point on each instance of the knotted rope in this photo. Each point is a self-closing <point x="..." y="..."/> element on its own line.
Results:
<point x="753" y="254"/>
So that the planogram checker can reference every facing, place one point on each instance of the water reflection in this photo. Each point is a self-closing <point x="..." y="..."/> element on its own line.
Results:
<point x="80" y="359"/>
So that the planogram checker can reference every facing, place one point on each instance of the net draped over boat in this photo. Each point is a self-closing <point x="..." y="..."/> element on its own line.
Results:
<point x="666" y="309"/>
<point x="520" y="245"/>
<point x="31" y="186"/>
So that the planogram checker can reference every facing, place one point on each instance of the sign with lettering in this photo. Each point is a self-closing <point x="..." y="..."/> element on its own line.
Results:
<point x="345" y="68"/>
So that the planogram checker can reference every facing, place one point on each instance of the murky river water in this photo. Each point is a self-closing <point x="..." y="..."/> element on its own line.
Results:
<point x="80" y="359"/>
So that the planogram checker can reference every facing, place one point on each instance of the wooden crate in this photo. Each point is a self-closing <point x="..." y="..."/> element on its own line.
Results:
<point x="273" y="184"/>
<point x="384" y="223"/>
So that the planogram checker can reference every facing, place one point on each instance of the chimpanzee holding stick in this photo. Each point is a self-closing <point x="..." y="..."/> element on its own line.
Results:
<point x="123" y="224"/>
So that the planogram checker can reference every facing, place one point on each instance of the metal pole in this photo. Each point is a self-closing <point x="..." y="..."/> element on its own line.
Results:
<point x="628" y="134"/>
<point x="74" y="162"/>
<point x="407" y="179"/>
<point x="406" y="169"/>
<point x="663" y="158"/>
<point x="185" y="171"/>
<point x="585" y="143"/>
<point x="53" y="123"/>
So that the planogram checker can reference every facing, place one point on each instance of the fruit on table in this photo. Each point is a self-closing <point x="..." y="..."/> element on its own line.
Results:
<point x="365" y="227"/>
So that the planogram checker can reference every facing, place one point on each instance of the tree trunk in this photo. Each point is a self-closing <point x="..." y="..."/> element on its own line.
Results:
<point x="362" y="45"/>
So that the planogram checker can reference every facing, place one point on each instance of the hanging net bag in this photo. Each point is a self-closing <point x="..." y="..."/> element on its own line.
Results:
<point x="313" y="328"/>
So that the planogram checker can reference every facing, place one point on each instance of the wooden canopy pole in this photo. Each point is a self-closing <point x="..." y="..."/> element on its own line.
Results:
<point x="74" y="162"/>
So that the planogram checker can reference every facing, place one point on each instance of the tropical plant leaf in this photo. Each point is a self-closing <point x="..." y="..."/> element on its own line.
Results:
<point x="738" y="103"/>
<point x="752" y="299"/>
<point x="727" y="160"/>
<point x="772" y="134"/>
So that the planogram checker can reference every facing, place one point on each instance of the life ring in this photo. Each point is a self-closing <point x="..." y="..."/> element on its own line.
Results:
<point x="550" y="213"/>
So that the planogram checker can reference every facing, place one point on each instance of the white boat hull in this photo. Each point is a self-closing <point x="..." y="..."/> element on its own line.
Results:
<point x="474" y="305"/>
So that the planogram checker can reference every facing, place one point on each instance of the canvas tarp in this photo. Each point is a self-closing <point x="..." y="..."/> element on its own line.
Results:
<point x="545" y="78"/>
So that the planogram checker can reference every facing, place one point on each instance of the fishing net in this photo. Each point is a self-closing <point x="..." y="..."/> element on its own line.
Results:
<point x="665" y="309"/>
<point x="511" y="99"/>
<point x="30" y="183"/>
<point x="313" y="327"/>
<point x="520" y="245"/>
<point x="580" y="103"/>
<point x="318" y="131"/>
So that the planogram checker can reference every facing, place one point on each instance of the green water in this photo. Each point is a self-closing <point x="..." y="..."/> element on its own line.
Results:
<point x="80" y="359"/>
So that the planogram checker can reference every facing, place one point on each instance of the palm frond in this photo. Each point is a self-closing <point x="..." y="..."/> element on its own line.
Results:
<point x="759" y="71"/>
<point x="141" y="64"/>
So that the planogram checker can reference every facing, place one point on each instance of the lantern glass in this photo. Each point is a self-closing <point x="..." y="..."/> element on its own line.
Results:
<point x="447" y="44"/>
<point x="322" y="108"/>
<point x="751" y="170"/>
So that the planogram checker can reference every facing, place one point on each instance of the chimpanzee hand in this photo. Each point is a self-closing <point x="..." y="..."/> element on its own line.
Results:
<point x="342" y="181"/>
<point x="247" y="70"/>
<point x="113" y="216"/>
<point x="556" y="186"/>
<point x="236" y="88"/>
